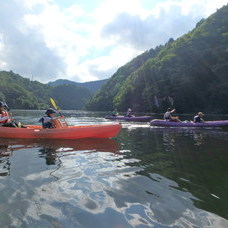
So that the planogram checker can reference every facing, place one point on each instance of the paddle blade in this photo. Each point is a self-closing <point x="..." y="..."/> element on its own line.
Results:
<point x="54" y="104"/>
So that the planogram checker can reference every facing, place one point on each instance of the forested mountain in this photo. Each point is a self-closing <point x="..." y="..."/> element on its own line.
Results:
<point x="21" y="93"/>
<point x="189" y="73"/>
<point x="93" y="86"/>
<point x="70" y="96"/>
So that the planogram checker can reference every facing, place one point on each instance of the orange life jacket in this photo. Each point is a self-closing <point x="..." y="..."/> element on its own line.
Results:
<point x="4" y="114"/>
<point x="56" y="123"/>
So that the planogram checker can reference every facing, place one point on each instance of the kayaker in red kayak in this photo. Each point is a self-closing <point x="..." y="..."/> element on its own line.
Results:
<point x="50" y="121"/>
<point x="4" y="115"/>
<point x="6" y="118"/>
<point x="168" y="115"/>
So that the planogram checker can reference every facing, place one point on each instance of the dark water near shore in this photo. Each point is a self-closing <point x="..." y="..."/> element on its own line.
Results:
<point x="144" y="177"/>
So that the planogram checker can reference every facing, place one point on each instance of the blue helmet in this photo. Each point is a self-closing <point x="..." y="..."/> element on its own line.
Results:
<point x="50" y="111"/>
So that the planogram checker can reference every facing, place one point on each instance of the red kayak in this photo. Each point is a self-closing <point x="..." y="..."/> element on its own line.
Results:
<point x="66" y="132"/>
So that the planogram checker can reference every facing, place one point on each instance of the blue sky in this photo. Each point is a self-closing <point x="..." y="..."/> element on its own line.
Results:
<point x="85" y="40"/>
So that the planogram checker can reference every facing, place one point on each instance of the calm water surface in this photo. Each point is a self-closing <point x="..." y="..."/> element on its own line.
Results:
<point x="144" y="177"/>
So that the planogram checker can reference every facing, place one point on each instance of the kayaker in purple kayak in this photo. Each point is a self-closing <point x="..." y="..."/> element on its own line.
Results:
<point x="115" y="112"/>
<point x="168" y="115"/>
<point x="199" y="118"/>
<point x="130" y="113"/>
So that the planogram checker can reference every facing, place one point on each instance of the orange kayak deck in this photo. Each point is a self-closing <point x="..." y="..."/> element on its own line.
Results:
<point x="66" y="132"/>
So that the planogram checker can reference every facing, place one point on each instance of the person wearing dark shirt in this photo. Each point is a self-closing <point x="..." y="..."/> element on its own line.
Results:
<point x="199" y="118"/>
<point x="115" y="112"/>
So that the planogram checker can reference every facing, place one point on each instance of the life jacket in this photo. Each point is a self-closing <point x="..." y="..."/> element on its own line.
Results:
<point x="56" y="123"/>
<point x="167" y="116"/>
<point x="4" y="116"/>
<point x="48" y="122"/>
<point x="197" y="119"/>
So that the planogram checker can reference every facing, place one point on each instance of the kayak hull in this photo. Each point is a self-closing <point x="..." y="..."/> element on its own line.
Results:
<point x="67" y="132"/>
<point x="165" y="123"/>
<point x="133" y="118"/>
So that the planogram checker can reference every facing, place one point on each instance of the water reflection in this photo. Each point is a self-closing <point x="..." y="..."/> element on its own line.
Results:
<point x="5" y="152"/>
<point x="146" y="177"/>
<point x="51" y="149"/>
<point x="194" y="159"/>
<point x="199" y="136"/>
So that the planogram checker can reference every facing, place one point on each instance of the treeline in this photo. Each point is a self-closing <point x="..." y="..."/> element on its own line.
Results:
<point x="189" y="73"/>
<point x="93" y="86"/>
<point x="22" y="93"/>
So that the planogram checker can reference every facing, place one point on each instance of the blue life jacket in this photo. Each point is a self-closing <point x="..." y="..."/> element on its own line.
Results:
<point x="197" y="119"/>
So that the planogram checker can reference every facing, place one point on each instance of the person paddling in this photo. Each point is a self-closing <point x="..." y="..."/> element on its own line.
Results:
<point x="115" y="112"/>
<point x="5" y="118"/>
<point x="168" y="115"/>
<point x="199" y="118"/>
<point x="50" y="121"/>
<point x="130" y="113"/>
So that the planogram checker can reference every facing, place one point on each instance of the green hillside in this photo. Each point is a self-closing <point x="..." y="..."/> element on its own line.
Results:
<point x="93" y="86"/>
<point x="70" y="96"/>
<point x="21" y="93"/>
<point x="189" y="73"/>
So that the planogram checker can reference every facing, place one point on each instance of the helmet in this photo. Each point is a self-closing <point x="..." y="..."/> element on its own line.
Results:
<point x="50" y="111"/>
<point x="2" y="104"/>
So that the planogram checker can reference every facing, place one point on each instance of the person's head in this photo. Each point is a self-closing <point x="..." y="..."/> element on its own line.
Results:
<point x="50" y="112"/>
<point x="2" y="105"/>
<point x="169" y="109"/>
<point x="129" y="110"/>
<point x="200" y="114"/>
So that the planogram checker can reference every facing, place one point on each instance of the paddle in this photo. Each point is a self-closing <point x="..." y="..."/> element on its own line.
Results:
<point x="57" y="109"/>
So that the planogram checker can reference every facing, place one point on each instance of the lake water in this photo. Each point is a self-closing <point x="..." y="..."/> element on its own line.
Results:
<point x="144" y="177"/>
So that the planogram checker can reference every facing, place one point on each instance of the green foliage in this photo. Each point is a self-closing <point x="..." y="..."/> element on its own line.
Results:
<point x="21" y="93"/>
<point x="103" y="100"/>
<point x="190" y="71"/>
<point x="93" y="86"/>
<point x="70" y="96"/>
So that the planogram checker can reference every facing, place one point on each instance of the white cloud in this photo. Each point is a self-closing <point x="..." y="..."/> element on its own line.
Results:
<point x="48" y="41"/>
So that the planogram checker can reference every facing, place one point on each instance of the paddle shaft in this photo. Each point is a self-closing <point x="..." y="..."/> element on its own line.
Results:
<point x="57" y="109"/>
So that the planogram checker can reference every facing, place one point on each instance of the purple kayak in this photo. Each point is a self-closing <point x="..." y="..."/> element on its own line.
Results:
<point x="165" y="123"/>
<point x="133" y="118"/>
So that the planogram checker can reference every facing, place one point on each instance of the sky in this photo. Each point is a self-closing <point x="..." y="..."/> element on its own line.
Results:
<point x="88" y="40"/>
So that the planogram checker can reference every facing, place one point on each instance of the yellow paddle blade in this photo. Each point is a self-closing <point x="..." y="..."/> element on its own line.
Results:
<point x="54" y="104"/>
